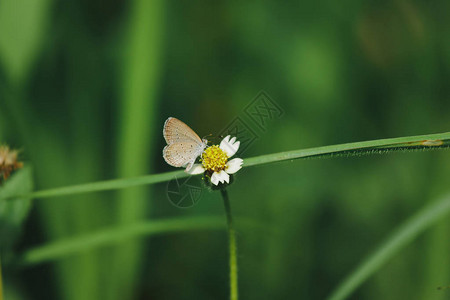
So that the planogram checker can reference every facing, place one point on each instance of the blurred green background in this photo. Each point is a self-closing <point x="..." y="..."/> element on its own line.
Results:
<point x="85" y="87"/>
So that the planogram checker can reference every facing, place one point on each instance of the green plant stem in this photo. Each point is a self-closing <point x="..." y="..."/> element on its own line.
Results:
<point x="232" y="248"/>
<point x="401" y="237"/>
<point x="409" y="143"/>
<point x="115" y="235"/>
<point x="438" y="141"/>
<point x="1" y="282"/>
<point x="62" y="248"/>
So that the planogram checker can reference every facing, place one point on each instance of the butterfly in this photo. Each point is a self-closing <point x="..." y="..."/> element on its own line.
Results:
<point x="183" y="144"/>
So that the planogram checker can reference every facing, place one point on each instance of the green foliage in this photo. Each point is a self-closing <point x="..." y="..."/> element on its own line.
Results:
<point x="400" y="238"/>
<point x="14" y="213"/>
<point x="23" y="24"/>
<point x="86" y="86"/>
<point x="117" y="235"/>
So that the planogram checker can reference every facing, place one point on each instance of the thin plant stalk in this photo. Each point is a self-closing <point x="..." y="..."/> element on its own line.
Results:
<point x="410" y="143"/>
<point x="232" y="248"/>
<point x="62" y="248"/>
<point x="66" y="247"/>
<point x="1" y="282"/>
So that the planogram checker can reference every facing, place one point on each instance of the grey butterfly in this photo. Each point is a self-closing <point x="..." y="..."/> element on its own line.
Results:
<point x="183" y="144"/>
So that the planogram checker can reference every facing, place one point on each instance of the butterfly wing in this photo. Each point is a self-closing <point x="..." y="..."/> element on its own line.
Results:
<point x="177" y="131"/>
<point x="182" y="153"/>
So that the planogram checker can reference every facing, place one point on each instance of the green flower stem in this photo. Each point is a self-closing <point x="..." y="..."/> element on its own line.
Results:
<point x="1" y="282"/>
<point x="420" y="142"/>
<point x="232" y="249"/>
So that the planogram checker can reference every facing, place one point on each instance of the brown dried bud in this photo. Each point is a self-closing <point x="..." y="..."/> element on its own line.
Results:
<point x="8" y="162"/>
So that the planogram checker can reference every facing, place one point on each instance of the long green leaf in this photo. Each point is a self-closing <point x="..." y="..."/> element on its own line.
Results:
<point x="14" y="213"/>
<point x="411" y="143"/>
<point x="400" y="238"/>
<point x="138" y="110"/>
<point x="23" y="26"/>
<point x="116" y="235"/>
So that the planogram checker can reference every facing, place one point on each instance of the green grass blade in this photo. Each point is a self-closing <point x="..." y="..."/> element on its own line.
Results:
<point x="23" y="25"/>
<point x="14" y="213"/>
<point x="400" y="238"/>
<point x="107" y="185"/>
<point x="116" y="235"/>
<point x="138" y="110"/>
<point x="411" y="143"/>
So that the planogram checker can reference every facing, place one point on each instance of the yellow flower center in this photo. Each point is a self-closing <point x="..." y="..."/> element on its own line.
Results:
<point x="214" y="159"/>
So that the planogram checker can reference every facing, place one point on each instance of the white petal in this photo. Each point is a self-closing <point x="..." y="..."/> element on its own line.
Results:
<point x="189" y="165"/>
<point x="234" y="165"/>
<point x="230" y="147"/>
<point x="215" y="178"/>
<point x="236" y="147"/>
<point x="226" y="140"/>
<point x="224" y="177"/>
<point x="196" y="169"/>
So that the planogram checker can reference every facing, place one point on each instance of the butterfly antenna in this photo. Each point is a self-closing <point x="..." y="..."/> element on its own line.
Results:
<point x="204" y="137"/>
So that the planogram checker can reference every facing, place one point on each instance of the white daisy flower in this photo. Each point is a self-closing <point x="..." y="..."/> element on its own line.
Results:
<point x="215" y="161"/>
